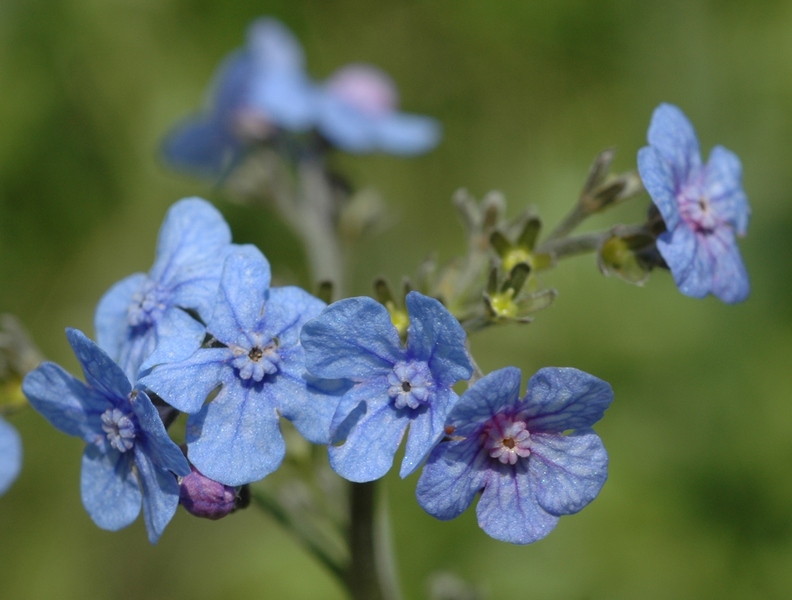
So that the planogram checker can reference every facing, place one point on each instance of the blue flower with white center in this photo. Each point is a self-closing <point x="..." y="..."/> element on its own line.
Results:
<point x="395" y="386"/>
<point x="143" y="320"/>
<point x="129" y="459"/>
<point x="704" y="207"/>
<point x="358" y="113"/>
<point x="259" y="370"/>
<point x="256" y="91"/>
<point x="515" y="452"/>
<point x="10" y="455"/>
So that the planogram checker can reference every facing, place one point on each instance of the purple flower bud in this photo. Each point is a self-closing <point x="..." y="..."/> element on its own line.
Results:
<point x="207" y="498"/>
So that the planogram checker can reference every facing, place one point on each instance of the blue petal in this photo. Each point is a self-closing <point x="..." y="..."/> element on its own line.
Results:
<point x="66" y="402"/>
<point x="508" y="509"/>
<point x="110" y="319"/>
<point x="160" y="494"/>
<point x="724" y="189"/>
<point x="567" y="471"/>
<point x="101" y="373"/>
<point x="490" y="395"/>
<point x="659" y="181"/>
<point x="673" y="136"/>
<point x="235" y="439"/>
<point x="240" y="304"/>
<point x="230" y="88"/>
<point x="191" y="245"/>
<point x="373" y="393"/>
<point x="427" y="428"/>
<point x="689" y="260"/>
<point x="345" y="126"/>
<point x="155" y="441"/>
<point x="287" y="310"/>
<point x="352" y="339"/>
<point x="367" y="454"/>
<point x="307" y="402"/>
<point x="559" y="399"/>
<point x="10" y="455"/>
<point x="109" y="488"/>
<point x="206" y="147"/>
<point x="436" y="337"/>
<point x="287" y="99"/>
<point x="177" y="335"/>
<point x="451" y="478"/>
<point x="273" y="46"/>
<point x="185" y="385"/>
<point x="401" y="133"/>
<point x="730" y="279"/>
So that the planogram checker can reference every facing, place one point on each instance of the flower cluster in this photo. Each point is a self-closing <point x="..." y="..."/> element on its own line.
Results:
<point x="205" y="334"/>
<point x="262" y="93"/>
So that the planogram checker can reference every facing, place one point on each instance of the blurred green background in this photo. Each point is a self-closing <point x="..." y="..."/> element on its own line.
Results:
<point x="699" y="500"/>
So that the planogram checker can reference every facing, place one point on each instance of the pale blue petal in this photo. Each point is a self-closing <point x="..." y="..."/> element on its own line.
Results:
<point x="66" y="402"/>
<point x="367" y="454"/>
<point x="110" y="319"/>
<point x="560" y="399"/>
<point x="451" y="478"/>
<point x="192" y="238"/>
<point x="110" y="491"/>
<point x="658" y="179"/>
<point x="185" y="385"/>
<point x="235" y="439"/>
<point x="353" y="339"/>
<point x="494" y="393"/>
<point x="345" y="126"/>
<point x="178" y="336"/>
<point x="273" y="46"/>
<point x="567" y="472"/>
<point x="286" y="311"/>
<point x="730" y="281"/>
<point x="287" y="99"/>
<point x="160" y="494"/>
<point x="406" y="134"/>
<point x="373" y="393"/>
<point x="723" y="185"/>
<point x="154" y="440"/>
<point x="508" y="510"/>
<point x="10" y="455"/>
<point x="436" y="337"/>
<point x="241" y="297"/>
<point x="689" y="260"/>
<point x="427" y="427"/>
<point x="671" y="133"/>
<point x="101" y="372"/>
<point x="205" y="147"/>
<point x="307" y="402"/>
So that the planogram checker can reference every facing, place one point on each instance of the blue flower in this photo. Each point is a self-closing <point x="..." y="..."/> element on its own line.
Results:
<point x="256" y="90"/>
<point x="10" y="455"/>
<point x="394" y="386"/>
<point x="259" y="369"/>
<point x="129" y="458"/>
<point x="515" y="452"/>
<point x="358" y="113"/>
<point x="703" y="206"/>
<point x="142" y="320"/>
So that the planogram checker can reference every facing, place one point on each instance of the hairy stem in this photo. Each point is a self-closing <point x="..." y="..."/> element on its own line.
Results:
<point x="361" y="574"/>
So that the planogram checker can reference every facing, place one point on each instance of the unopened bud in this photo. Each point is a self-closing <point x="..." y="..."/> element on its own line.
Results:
<point x="207" y="498"/>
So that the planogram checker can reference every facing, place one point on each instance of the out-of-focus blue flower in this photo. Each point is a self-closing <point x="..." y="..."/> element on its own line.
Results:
<point x="142" y="320"/>
<point x="256" y="90"/>
<point x="10" y="455"/>
<point x="260" y="373"/>
<point x="358" y="113"/>
<point x="515" y="452"/>
<point x="394" y="386"/>
<point x="703" y="207"/>
<point x="129" y="458"/>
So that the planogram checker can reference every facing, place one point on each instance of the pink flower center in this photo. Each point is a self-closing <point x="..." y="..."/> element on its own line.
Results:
<point x="506" y="439"/>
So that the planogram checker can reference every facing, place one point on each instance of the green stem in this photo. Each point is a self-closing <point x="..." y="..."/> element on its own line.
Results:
<point x="309" y="539"/>
<point x="581" y="244"/>
<point x="361" y="573"/>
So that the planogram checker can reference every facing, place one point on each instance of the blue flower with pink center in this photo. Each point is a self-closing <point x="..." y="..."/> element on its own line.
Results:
<point x="703" y="205"/>
<point x="532" y="459"/>
<point x="395" y="386"/>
